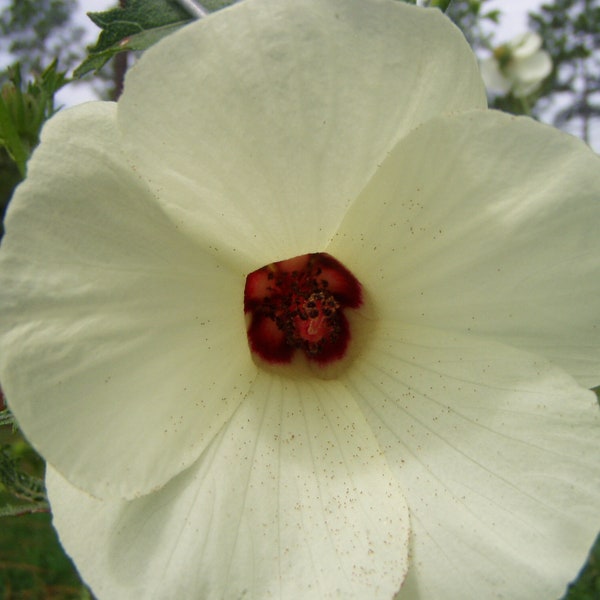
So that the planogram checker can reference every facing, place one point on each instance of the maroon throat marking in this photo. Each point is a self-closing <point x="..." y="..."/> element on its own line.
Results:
<point x="298" y="305"/>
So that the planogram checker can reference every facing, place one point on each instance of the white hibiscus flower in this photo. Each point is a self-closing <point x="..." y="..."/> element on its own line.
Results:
<point x="431" y="415"/>
<point x="519" y="66"/>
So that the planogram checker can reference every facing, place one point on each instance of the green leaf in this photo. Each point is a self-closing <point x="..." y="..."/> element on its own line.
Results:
<point x="17" y="482"/>
<point x="10" y="139"/>
<point x="441" y="4"/>
<point x="23" y="111"/>
<point x="32" y="563"/>
<point x="18" y="510"/>
<point x="6" y="418"/>
<point x="138" y="26"/>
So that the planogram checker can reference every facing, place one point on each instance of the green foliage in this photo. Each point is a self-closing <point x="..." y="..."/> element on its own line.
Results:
<point x="21" y="471"/>
<point x="138" y="26"/>
<point x="587" y="585"/>
<point x="33" y="30"/>
<point x="20" y="484"/>
<point x="469" y="16"/>
<point x="571" y="33"/>
<point x="6" y="417"/>
<point x="23" y="110"/>
<point x="32" y="562"/>
<point x="515" y="105"/>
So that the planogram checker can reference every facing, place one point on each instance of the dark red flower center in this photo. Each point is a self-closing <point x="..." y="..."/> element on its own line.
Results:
<point x="298" y="304"/>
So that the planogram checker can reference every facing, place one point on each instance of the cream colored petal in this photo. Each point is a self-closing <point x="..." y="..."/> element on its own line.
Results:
<point x="493" y="78"/>
<point x="497" y="453"/>
<point x="530" y="72"/>
<point x="525" y="45"/>
<point x="486" y="224"/>
<point x="122" y="342"/>
<point x="292" y="500"/>
<point x="258" y="125"/>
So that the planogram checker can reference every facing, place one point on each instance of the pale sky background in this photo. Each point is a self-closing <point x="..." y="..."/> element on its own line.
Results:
<point x="514" y="21"/>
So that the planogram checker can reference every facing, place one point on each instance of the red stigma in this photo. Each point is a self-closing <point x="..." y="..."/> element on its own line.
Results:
<point x="298" y="304"/>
